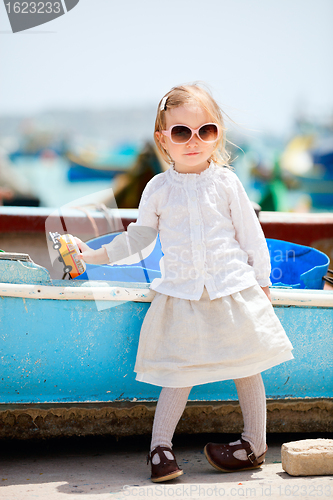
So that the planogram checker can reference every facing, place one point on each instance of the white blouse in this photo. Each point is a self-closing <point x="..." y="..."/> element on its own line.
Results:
<point x="209" y="233"/>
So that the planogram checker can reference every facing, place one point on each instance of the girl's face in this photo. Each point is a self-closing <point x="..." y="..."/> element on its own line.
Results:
<point x="192" y="157"/>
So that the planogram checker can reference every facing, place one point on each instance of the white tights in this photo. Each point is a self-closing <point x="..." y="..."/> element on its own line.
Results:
<point x="252" y="400"/>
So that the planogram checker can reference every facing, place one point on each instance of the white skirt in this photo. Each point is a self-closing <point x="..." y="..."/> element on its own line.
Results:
<point x="192" y="342"/>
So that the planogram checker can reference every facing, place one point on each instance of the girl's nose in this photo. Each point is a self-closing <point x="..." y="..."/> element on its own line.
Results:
<point x="193" y="141"/>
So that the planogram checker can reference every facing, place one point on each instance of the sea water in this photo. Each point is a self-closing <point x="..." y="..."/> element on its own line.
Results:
<point x="48" y="181"/>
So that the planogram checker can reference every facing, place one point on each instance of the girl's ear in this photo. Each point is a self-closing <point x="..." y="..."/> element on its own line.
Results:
<point x="161" y="139"/>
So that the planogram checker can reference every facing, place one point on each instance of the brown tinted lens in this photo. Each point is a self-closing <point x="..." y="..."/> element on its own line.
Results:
<point x="208" y="133"/>
<point x="180" y="134"/>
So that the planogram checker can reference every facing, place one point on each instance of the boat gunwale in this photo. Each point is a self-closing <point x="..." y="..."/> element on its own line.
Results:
<point x="280" y="296"/>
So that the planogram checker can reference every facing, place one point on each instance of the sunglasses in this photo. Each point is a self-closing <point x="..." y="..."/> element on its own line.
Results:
<point x="181" y="134"/>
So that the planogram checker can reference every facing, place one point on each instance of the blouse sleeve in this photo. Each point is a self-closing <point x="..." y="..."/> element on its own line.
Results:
<point x="249" y="233"/>
<point x="139" y="240"/>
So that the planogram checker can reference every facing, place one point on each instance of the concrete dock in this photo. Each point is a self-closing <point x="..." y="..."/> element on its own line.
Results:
<point x="100" y="468"/>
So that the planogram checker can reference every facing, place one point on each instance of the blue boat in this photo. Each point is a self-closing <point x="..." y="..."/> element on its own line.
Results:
<point x="74" y="342"/>
<point x="84" y="168"/>
<point x="310" y="161"/>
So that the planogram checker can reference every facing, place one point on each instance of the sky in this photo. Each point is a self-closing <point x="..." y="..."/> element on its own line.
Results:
<point x="264" y="60"/>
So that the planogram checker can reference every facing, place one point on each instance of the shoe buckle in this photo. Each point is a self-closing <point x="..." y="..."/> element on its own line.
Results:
<point x="251" y="456"/>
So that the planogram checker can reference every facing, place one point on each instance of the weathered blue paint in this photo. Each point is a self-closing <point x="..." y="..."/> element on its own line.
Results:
<point x="71" y="351"/>
<point x="12" y="271"/>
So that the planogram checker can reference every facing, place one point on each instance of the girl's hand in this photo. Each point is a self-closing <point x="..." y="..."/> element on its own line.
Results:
<point x="91" y="256"/>
<point x="266" y="290"/>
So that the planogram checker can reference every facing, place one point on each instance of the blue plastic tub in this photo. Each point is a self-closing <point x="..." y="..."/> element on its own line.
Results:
<point x="293" y="266"/>
<point x="296" y="266"/>
<point x="144" y="271"/>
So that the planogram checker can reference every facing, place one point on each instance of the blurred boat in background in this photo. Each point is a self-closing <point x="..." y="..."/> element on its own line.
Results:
<point x="58" y="181"/>
<point x="15" y="189"/>
<point x="310" y="161"/>
<point x="37" y="141"/>
<point x="89" y="165"/>
<point x="293" y="174"/>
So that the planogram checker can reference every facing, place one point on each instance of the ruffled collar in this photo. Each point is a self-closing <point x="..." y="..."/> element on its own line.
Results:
<point x="181" y="178"/>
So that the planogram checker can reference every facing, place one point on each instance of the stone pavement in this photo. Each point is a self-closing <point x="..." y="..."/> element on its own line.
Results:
<point x="102" y="468"/>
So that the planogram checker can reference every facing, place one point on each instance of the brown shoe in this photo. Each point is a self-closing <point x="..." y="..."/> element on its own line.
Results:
<point x="221" y="456"/>
<point x="166" y="469"/>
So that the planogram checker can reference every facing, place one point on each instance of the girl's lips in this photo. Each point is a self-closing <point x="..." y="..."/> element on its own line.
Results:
<point x="192" y="154"/>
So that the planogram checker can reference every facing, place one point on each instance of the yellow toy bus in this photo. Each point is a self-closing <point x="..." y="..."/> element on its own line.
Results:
<point x="68" y="252"/>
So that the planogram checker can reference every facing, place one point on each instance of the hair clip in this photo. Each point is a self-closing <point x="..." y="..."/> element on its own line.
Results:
<point x="163" y="103"/>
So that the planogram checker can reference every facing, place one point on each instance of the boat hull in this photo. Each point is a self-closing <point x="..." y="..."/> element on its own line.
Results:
<point x="79" y="343"/>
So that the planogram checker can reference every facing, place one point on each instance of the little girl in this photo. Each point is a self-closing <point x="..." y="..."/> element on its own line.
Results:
<point x="211" y="318"/>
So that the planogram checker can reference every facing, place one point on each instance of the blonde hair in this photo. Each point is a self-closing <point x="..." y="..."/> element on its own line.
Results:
<point x="197" y="95"/>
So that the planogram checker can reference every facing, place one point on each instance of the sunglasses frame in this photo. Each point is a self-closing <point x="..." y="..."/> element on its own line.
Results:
<point x="193" y="132"/>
